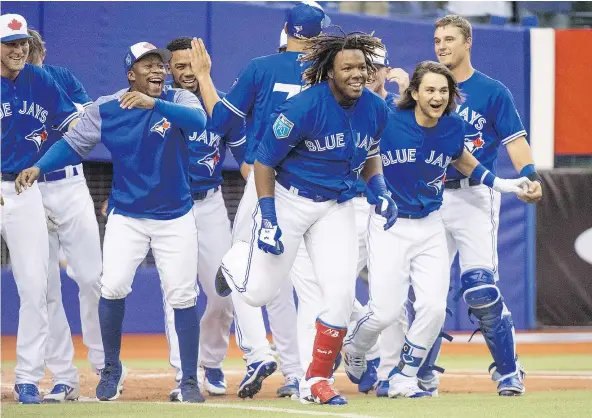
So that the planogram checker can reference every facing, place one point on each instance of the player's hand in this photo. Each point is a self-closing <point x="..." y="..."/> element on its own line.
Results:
<point x="245" y="170"/>
<point x="135" y="99"/>
<point x="531" y="193"/>
<point x="269" y="238"/>
<point x="201" y="64"/>
<point x="270" y="232"/>
<point x="26" y="178"/>
<point x="103" y="210"/>
<point x="399" y="76"/>
<point x="386" y="207"/>
<point x="519" y="186"/>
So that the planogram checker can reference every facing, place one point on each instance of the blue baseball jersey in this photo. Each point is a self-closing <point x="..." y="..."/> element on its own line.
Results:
<point x="491" y="119"/>
<point x="415" y="159"/>
<point x="264" y="84"/>
<point x="32" y="105"/>
<point x="75" y="91"/>
<point x="361" y="186"/>
<point x="316" y="145"/>
<point x="150" y="155"/>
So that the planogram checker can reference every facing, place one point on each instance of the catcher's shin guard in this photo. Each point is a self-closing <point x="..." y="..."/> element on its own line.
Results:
<point x="495" y="321"/>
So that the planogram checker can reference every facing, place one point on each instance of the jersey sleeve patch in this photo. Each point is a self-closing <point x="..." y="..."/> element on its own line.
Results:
<point x="282" y="127"/>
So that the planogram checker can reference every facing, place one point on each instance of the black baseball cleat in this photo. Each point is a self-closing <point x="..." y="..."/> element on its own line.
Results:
<point x="222" y="288"/>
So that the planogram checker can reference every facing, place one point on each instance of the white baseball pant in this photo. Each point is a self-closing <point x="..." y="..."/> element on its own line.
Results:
<point x="213" y="232"/>
<point x="73" y="225"/>
<point x="25" y="232"/>
<point x="281" y="310"/>
<point x="174" y="247"/>
<point x="412" y="252"/>
<point x="332" y="245"/>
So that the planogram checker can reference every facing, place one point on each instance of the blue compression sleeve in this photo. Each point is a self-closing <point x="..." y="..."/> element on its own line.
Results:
<point x="483" y="175"/>
<point x="187" y="118"/>
<point x="58" y="156"/>
<point x="377" y="185"/>
<point x="267" y="205"/>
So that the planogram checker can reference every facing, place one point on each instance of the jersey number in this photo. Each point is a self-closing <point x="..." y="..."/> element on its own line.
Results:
<point x="291" y="89"/>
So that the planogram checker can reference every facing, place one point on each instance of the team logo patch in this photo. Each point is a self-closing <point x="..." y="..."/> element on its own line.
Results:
<point x="211" y="160"/>
<point x="474" y="142"/>
<point x="282" y="127"/>
<point x="161" y="127"/>
<point x="358" y="169"/>
<point x="128" y="60"/>
<point x="38" y="136"/>
<point x="438" y="182"/>
<point x="15" y="25"/>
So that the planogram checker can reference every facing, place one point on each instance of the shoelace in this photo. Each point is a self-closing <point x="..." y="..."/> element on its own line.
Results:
<point x="215" y="375"/>
<point x="356" y="361"/>
<point x="28" y="390"/>
<point x="58" y="389"/>
<point x="108" y="373"/>
<point x="292" y="381"/>
<point x="190" y="381"/>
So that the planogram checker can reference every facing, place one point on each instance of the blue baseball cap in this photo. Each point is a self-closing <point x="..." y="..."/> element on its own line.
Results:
<point x="141" y="49"/>
<point x="381" y="57"/>
<point x="306" y="20"/>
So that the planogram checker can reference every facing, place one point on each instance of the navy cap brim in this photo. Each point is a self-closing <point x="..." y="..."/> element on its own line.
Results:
<point x="165" y="54"/>
<point x="15" y="37"/>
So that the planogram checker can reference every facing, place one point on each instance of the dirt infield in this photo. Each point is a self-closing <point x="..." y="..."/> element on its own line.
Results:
<point x="155" y="384"/>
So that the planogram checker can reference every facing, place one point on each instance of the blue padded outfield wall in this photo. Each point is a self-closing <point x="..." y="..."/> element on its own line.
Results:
<point x="91" y="39"/>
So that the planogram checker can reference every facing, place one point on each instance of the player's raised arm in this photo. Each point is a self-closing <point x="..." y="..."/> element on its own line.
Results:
<point x="202" y="65"/>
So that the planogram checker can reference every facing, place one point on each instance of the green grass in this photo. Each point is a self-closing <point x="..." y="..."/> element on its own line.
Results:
<point x="532" y="405"/>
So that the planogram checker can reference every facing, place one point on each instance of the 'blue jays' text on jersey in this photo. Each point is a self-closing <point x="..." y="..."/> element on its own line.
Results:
<point x="264" y="84"/>
<point x="75" y="91"/>
<point x="32" y="105"/>
<point x="361" y="186"/>
<point x="207" y="150"/>
<point x="149" y="154"/>
<point x="316" y="145"/>
<point x="415" y="159"/>
<point x="491" y="119"/>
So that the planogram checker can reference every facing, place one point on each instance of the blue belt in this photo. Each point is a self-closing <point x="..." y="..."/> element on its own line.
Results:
<point x="9" y="176"/>
<point x="412" y="216"/>
<point x="303" y="193"/>
<point x="57" y="175"/>
<point x="456" y="184"/>
<point x="203" y="195"/>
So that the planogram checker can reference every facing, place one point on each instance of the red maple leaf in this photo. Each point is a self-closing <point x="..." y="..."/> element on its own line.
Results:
<point x="166" y="125"/>
<point x="15" y="24"/>
<point x="216" y="158"/>
<point x="43" y="135"/>
<point x="149" y="46"/>
<point x="478" y="142"/>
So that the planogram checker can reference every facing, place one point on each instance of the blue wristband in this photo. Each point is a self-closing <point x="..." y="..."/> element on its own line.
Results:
<point x="267" y="205"/>
<point x="483" y="175"/>
<point x="527" y="170"/>
<point x="377" y="185"/>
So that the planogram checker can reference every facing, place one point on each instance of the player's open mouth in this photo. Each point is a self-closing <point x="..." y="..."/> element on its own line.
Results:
<point x="157" y="82"/>
<point x="356" y="85"/>
<point x="436" y="106"/>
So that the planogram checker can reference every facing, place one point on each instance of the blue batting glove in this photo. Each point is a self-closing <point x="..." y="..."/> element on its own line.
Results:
<point x="386" y="206"/>
<point x="270" y="232"/>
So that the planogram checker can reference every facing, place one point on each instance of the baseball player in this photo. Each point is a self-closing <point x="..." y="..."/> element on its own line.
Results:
<point x="73" y="226"/>
<point x="150" y="204"/>
<point x="206" y="153"/>
<point x="302" y="273"/>
<point x="32" y="104"/>
<point x="264" y="84"/>
<point x="318" y="160"/>
<point x="422" y="138"/>
<point x="471" y="210"/>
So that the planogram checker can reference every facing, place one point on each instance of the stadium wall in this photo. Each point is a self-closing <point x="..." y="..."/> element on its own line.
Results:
<point x="91" y="37"/>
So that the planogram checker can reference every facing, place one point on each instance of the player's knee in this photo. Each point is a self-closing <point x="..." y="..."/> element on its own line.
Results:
<point x="110" y="291"/>
<point x="479" y="289"/>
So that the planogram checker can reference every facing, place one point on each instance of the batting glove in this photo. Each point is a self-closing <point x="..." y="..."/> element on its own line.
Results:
<point x="270" y="232"/>
<point x="386" y="207"/>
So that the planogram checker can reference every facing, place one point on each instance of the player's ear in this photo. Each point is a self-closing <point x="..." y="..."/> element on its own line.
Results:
<point x="131" y="76"/>
<point x="468" y="43"/>
<point x="415" y="95"/>
<point x="330" y="74"/>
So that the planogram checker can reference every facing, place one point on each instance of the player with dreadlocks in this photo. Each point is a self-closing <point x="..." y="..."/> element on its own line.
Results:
<point x="318" y="144"/>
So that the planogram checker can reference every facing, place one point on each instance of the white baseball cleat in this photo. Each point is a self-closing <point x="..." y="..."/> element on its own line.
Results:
<point x="62" y="393"/>
<point x="405" y="387"/>
<point x="355" y="366"/>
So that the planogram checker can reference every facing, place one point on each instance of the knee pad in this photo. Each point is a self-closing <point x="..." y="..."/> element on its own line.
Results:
<point x="479" y="289"/>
